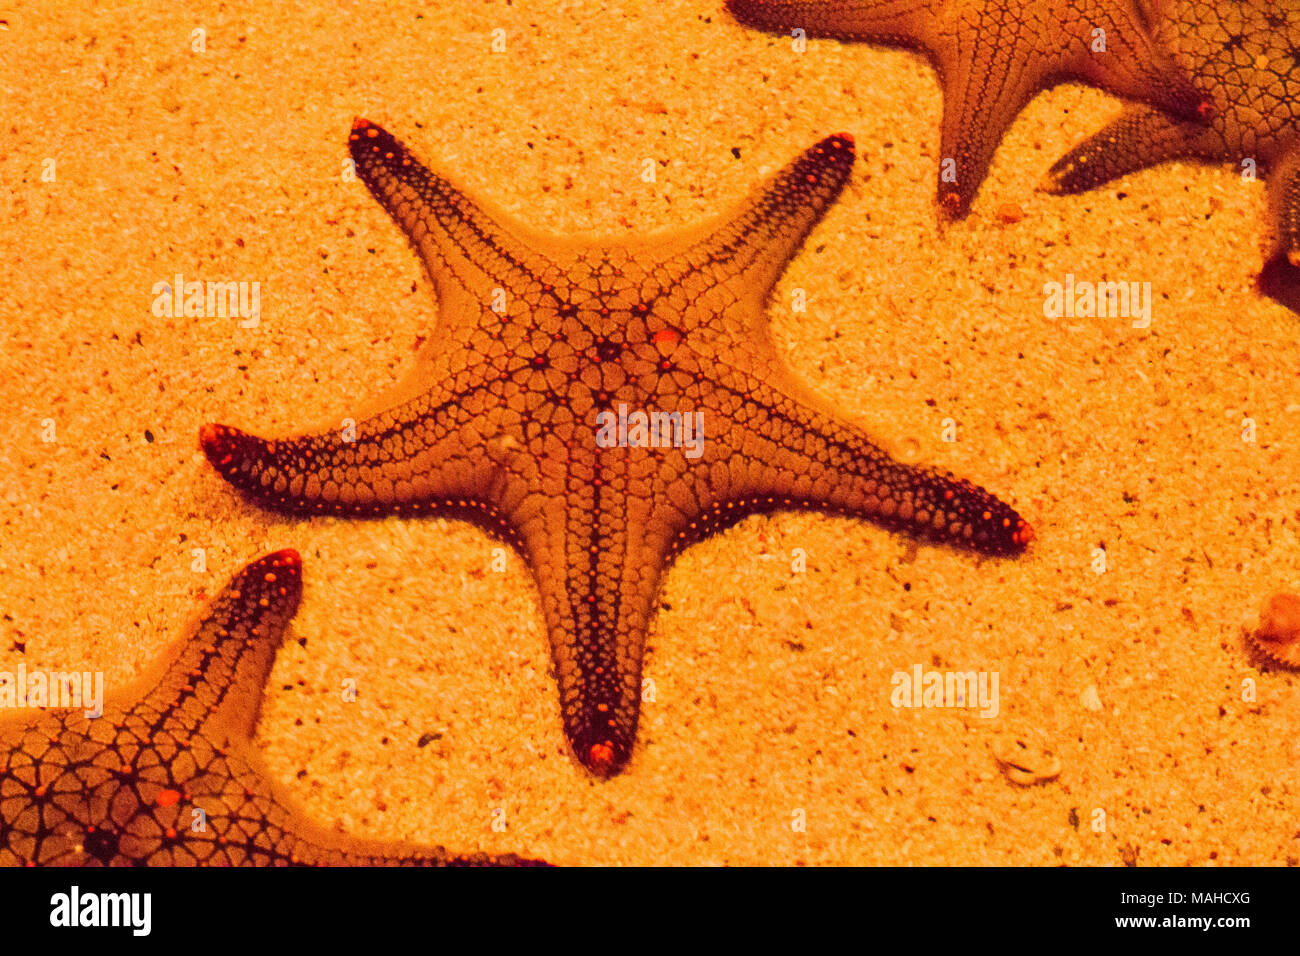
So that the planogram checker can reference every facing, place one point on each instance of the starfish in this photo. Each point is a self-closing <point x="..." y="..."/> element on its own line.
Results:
<point x="514" y="416"/>
<point x="1246" y="54"/>
<point x="993" y="57"/>
<point x="167" y="774"/>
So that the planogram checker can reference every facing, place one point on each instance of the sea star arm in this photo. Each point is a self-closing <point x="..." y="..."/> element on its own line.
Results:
<point x="254" y="822"/>
<point x="211" y="682"/>
<point x="993" y="57"/>
<point x="782" y="452"/>
<point x="171" y="777"/>
<point x="1140" y="138"/>
<point x="421" y="446"/>
<point x="988" y="79"/>
<point x="206" y="703"/>
<point x="733" y="263"/>
<point x="905" y="23"/>
<point x="598" y="559"/>
<point x="1245" y="55"/>
<point x="1132" y="63"/>
<point x="972" y="99"/>
<point x="109" y="789"/>
<point x="978" y="106"/>
<point x="425" y="456"/>
<point x="473" y="253"/>
<point x="1281" y="276"/>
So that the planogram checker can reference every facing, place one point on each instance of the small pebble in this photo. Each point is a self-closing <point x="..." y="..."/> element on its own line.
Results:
<point x="1090" y="699"/>
<point x="1010" y="212"/>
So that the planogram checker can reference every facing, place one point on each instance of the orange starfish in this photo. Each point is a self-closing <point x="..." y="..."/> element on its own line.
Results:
<point x="1246" y="54"/>
<point x="601" y="406"/>
<point x="993" y="57"/>
<point x="167" y="775"/>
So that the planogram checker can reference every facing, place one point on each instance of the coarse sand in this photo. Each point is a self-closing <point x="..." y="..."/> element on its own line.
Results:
<point x="1158" y="465"/>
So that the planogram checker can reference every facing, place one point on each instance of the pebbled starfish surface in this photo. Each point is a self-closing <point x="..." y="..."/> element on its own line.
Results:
<point x="1246" y="55"/>
<point x="501" y="418"/>
<point x="167" y="774"/>
<point x="993" y="57"/>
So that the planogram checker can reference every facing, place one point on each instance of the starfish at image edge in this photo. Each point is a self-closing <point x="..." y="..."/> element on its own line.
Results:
<point x="1246" y="54"/>
<point x="993" y="57"/>
<point x="521" y="414"/>
<point x="167" y="775"/>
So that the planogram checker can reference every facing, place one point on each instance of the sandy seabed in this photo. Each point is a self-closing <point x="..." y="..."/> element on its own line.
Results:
<point x="772" y="737"/>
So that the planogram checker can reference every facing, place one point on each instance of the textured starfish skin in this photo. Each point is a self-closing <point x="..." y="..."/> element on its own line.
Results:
<point x="498" y="420"/>
<point x="1246" y="55"/>
<point x="123" y="789"/>
<point x="993" y="57"/>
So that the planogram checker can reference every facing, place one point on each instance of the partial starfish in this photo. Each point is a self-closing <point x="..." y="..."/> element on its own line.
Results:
<point x="167" y="775"/>
<point x="511" y="417"/>
<point x="1246" y="54"/>
<point x="993" y="57"/>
